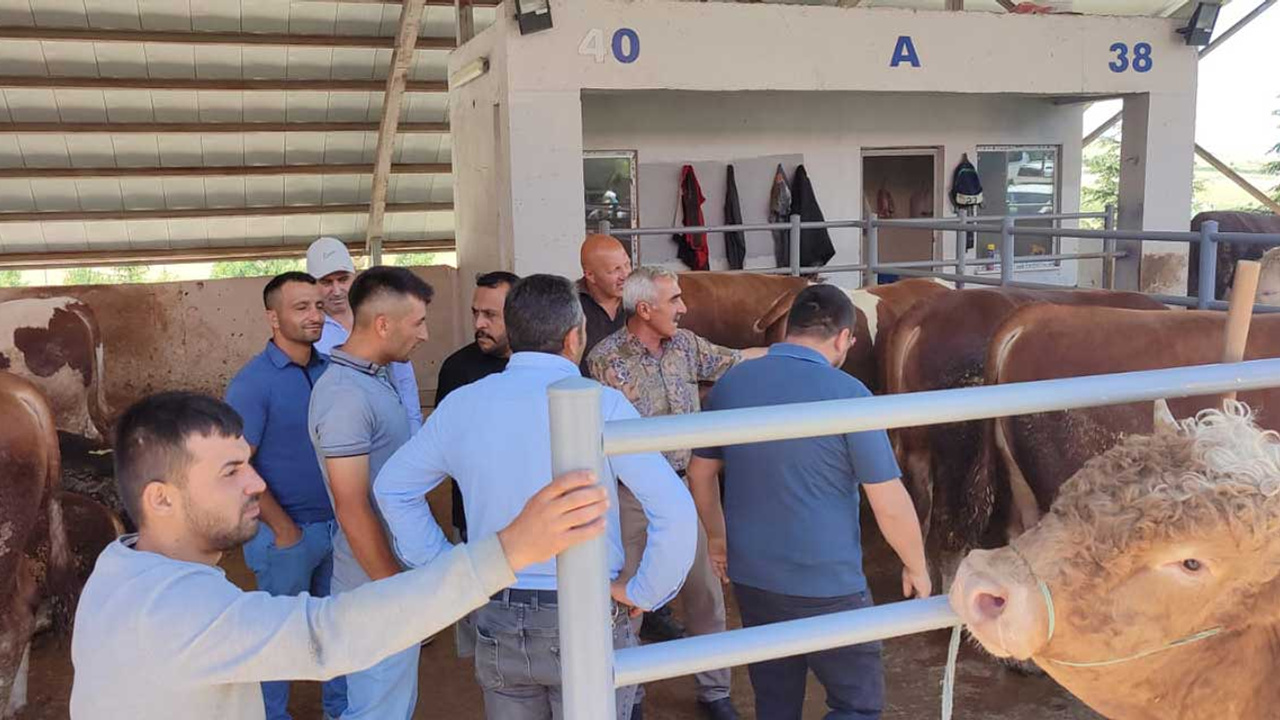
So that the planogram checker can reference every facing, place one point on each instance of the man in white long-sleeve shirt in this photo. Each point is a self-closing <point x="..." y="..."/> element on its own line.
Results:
<point x="160" y="632"/>
<point x="492" y="437"/>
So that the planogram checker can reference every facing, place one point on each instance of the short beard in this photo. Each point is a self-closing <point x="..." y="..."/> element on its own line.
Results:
<point x="215" y="534"/>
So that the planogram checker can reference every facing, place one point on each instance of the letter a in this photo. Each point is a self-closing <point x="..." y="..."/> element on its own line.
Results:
<point x="905" y="51"/>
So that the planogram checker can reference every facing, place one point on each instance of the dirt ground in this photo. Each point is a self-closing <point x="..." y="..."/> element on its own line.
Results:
<point x="447" y="688"/>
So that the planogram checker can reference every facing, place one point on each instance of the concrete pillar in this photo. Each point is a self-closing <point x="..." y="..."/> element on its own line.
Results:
<point x="1156" y="167"/>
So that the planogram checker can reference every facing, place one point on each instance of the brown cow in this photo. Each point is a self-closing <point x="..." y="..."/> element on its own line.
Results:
<point x="942" y="343"/>
<point x="1040" y="343"/>
<point x="55" y="343"/>
<point x="1151" y="588"/>
<point x="744" y="310"/>
<point x="29" y="477"/>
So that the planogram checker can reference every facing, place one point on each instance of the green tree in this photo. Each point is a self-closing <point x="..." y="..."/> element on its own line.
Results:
<point x="11" y="278"/>
<point x="1273" y="167"/>
<point x="122" y="275"/>
<point x="257" y="268"/>
<point x="1102" y="163"/>
<point x="412" y="259"/>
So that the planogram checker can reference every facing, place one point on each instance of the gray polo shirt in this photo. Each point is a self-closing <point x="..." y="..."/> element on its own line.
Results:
<point x="355" y="410"/>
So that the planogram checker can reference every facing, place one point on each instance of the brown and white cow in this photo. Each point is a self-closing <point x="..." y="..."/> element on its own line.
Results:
<point x="55" y="343"/>
<point x="29" y="478"/>
<point x="942" y="343"/>
<point x="1151" y="590"/>
<point x="1025" y="459"/>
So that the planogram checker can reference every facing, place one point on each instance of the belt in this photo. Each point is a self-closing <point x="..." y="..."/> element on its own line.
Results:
<point x="516" y="596"/>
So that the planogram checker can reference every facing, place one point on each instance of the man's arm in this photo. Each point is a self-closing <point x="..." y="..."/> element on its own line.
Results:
<point x="673" y="520"/>
<point x="349" y="481"/>
<point x="704" y="484"/>
<point x="401" y="493"/>
<point x="209" y="632"/>
<point x="896" y="517"/>
<point x="249" y="400"/>
<point x="407" y="387"/>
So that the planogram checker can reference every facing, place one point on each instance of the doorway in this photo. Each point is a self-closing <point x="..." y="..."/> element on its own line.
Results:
<point x="901" y="183"/>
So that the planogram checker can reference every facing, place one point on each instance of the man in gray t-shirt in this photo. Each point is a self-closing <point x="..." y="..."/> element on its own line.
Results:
<point x="357" y="421"/>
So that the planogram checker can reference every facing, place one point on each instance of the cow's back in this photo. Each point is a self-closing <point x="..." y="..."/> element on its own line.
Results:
<point x="1046" y="342"/>
<point x="738" y="310"/>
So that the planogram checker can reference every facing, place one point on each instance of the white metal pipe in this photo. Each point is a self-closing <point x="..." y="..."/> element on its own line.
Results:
<point x="784" y="639"/>
<point x="830" y="417"/>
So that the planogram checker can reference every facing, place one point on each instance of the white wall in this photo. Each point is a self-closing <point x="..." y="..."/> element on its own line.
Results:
<point x="830" y="130"/>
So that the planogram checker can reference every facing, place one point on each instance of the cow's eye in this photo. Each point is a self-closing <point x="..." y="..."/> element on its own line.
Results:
<point x="1192" y="565"/>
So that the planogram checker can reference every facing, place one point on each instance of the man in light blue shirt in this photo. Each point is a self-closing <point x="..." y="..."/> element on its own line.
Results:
<point x="493" y="438"/>
<point x="330" y="263"/>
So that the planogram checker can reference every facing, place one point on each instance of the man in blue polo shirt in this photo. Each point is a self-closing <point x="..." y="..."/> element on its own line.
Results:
<point x="292" y="552"/>
<point x="794" y="547"/>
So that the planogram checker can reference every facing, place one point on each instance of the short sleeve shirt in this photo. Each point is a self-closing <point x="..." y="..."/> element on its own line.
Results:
<point x="355" y="410"/>
<point x="791" y="506"/>
<point x="665" y="384"/>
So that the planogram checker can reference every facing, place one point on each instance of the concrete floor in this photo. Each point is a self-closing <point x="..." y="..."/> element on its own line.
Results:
<point x="914" y="666"/>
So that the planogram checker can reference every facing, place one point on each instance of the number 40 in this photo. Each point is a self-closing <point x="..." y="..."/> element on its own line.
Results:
<point x="1141" y="62"/>
<point x="625" y="45"/>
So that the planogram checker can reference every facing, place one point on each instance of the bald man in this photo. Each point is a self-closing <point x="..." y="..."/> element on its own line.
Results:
<point x="605" y="267"/>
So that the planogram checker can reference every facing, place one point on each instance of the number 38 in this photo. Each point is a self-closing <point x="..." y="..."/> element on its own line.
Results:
<point x="1141" y="61"/>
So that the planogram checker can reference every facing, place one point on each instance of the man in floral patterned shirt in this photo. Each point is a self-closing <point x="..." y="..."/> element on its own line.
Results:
<point x="658" y="367"/>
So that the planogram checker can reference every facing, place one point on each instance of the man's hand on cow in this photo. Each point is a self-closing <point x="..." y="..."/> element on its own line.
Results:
<point x="916" y="583"/>
<point x="568" y="511"/>
<point x="718" y="554"/>
<point x="618" y="589"/>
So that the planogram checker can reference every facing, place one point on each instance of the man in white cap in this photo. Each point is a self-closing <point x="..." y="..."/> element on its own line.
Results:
<point x="329" y="262"/>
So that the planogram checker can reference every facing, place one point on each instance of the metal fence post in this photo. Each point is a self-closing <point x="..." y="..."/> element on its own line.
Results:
<point x="1109" y="246"/>
<point x="870" y="277"/>
<point x="582" y="577"/>
<point x="1205" y="292"/>
<point x="962" y="246"/>
<point x="794" y="240"/>
<point x="1006" y="251"/>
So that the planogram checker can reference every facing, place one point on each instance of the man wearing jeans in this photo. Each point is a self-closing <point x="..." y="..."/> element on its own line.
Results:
<point x="493" y="438"/>
<point x="357" y="421"/>
<point x="805" y="492"/>
<point x="292" y="552"/>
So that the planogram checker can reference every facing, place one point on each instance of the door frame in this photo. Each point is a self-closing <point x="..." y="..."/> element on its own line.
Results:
<point x="938" y="154"/>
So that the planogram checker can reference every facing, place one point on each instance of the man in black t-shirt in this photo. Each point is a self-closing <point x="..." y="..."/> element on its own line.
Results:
<point x="486" y="356"/>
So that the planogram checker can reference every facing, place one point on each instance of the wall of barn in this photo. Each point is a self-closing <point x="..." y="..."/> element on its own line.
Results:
<point x="828" y="132"/>
<point x="196" y="335"/>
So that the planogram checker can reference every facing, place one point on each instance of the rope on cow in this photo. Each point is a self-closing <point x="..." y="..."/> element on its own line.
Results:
<point x="949" y="673"/>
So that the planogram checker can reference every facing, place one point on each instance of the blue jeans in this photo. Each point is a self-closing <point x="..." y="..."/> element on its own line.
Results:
<point x="306" y="567"/>
<point x="389" y="689"/>
<point x="853" y="676"/>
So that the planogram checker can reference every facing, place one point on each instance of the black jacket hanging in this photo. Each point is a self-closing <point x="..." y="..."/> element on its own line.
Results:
<point x="735" y="243"/>
<point x="815" y="244"/>
<point x="779" y="212"/>
<point x="691" y="248"/>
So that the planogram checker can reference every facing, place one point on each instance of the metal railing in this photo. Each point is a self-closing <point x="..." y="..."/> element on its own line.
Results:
<point x="590" y="668"/>
<point x="1009" y="230"/>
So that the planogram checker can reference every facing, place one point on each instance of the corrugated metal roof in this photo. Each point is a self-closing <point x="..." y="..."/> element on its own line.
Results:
<point x="147" y="47"/>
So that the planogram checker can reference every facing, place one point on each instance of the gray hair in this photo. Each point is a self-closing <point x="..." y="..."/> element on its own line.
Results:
<point x="641" y="286"/>
<point x="540" y="310"/>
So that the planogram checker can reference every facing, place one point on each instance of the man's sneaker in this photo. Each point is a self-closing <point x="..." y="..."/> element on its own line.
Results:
<point x="721" y="709"/>
<point x="660" y="626"/>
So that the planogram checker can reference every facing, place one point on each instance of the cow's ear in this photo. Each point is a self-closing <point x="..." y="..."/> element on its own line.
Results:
<point x="1162" y="418"/>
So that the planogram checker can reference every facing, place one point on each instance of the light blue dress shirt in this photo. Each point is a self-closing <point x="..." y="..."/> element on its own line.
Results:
<point x="493" y="438"/>
<point x="402" y="375"/>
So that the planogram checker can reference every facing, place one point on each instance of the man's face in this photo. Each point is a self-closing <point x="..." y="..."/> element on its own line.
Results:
<point x="664" y="314"/>
<point x="406" y="327"/>
<point x="334" y="288"/>
<point x="296" y="312"/>
<point x="220" y="496"/>
<point x="486" y="317"/>
<point x="607" y="270"/>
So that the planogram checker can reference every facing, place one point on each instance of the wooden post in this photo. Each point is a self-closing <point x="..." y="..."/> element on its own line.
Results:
<point x="401" y="60"/>
<point x="1240" y="313"/>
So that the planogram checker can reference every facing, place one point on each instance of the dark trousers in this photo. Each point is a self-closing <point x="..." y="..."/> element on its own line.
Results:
<point x="853" y="676"/>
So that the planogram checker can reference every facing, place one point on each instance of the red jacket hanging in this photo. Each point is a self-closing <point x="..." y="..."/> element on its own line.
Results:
<point x="691" y="248"/>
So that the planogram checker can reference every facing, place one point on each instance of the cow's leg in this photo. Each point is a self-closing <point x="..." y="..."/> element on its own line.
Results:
<point x="18" y="697"/>
<point x="1026" y="512"/>
<point x="17" y="621"/>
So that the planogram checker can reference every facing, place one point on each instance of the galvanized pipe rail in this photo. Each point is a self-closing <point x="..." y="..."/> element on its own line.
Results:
<point x="580" y="440"/>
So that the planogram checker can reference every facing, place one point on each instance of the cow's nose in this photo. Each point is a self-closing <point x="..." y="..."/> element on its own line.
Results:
<point x="986" y="600"/>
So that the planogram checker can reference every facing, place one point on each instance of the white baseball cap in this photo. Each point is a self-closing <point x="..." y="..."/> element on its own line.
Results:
<point x="328" y="255"/>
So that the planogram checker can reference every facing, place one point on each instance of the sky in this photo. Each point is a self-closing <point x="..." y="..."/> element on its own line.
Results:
<point x="1239" y="89"/>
